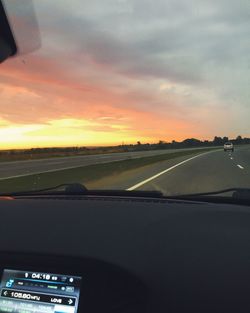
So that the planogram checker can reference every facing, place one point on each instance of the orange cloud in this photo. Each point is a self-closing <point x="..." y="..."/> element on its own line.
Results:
<point x="43" y="104"/>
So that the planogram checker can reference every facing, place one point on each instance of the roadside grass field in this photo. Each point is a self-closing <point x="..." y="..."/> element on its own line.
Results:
<point x="86" y="174"/>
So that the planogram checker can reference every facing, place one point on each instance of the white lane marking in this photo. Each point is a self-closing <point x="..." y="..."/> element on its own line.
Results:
<point x="39" y="172"/>
<point x="56" y="170"/>
<point x="231" y="158"/>
<point x="163" y="172"/>
<point x="241" y="167"/>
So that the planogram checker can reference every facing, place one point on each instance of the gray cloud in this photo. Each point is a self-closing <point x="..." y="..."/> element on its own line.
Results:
<point x="170" y="40"/>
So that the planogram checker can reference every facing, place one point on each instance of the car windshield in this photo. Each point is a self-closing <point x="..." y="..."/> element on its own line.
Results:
<point x="126" y="95"/>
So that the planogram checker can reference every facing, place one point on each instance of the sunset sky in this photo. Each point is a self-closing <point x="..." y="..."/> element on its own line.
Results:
<point x="118" y="71"/>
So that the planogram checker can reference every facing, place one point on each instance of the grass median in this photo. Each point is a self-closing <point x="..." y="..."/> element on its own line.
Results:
<point x="86" y="174"/>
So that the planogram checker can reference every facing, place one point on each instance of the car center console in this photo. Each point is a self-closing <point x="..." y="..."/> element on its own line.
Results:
<point x="44" y="284"/>
<point x="41" y="292"/>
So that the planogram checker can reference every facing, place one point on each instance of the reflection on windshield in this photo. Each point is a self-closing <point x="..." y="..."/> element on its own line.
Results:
<point x="129" y="95"/>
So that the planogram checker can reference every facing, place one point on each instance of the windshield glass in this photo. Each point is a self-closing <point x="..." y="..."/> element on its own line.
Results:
<point x="126" y="94"/>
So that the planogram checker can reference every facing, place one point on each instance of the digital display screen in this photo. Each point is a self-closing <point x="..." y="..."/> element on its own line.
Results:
<point x="38" y="292"/>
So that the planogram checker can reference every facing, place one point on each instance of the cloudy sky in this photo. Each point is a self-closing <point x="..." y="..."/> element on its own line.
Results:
<point x="115" y="71"/>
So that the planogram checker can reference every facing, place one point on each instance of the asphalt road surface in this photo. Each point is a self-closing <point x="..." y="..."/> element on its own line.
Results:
<point x="207" y="172"/>
<point x="202" y="172"/>
<point x="23" y="168"/>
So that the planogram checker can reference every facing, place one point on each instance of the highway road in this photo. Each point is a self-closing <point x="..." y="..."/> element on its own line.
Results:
<point x="23" y="168"/>
<point x="198" y="172"/>
<point x="206" y="172"/>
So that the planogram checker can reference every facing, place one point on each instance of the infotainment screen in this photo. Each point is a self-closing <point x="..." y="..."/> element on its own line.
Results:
<point x="38" y="292"/>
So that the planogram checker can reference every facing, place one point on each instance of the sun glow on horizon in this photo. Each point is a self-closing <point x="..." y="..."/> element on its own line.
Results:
<point x="66" y="132"/>
<point x="69" y="132"/>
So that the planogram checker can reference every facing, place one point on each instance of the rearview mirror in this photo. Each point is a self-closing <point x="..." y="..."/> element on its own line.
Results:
<point x="8" y="46"/>
<point x="19" y="29"/>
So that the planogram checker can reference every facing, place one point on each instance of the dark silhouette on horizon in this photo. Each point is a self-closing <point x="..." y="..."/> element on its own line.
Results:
<point x="138" y="146"/>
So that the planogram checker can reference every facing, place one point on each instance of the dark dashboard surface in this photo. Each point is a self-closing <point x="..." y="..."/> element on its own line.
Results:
<point x="137" y="255"/>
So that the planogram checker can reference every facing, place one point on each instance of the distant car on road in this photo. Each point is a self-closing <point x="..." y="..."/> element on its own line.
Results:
<point x="228" y="146"/>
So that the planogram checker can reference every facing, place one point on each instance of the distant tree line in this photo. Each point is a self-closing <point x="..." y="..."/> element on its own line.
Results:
<point x="187" y="143"/>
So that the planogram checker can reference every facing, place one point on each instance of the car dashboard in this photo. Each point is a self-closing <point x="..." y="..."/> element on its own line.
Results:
<point x="121" y="254"/>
